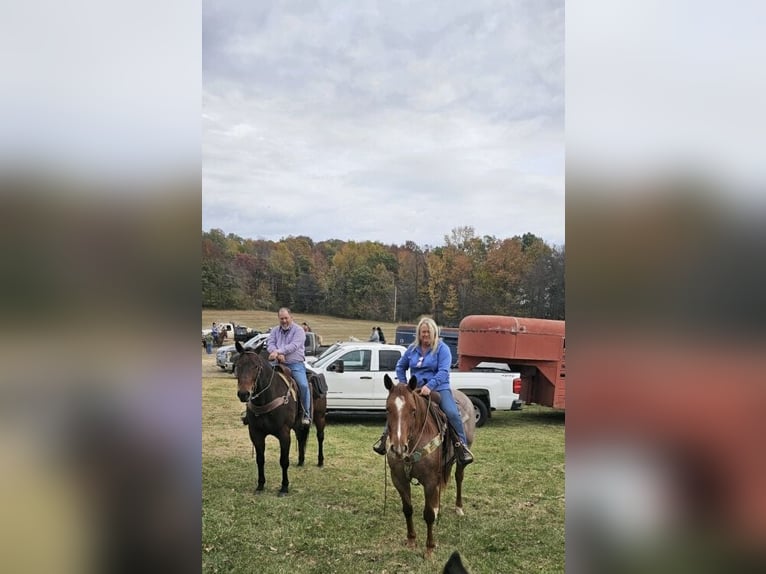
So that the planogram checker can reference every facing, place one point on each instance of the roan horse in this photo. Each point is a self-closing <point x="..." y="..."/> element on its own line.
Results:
<point x="273" y="409"/>
<point x="421" y="449"/>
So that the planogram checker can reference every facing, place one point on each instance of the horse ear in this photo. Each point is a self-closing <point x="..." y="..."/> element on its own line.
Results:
<point x="239" y="347"/>
<point x="413" y="383"/>
<point x="454" y="565"/>
<point x="387" y="381"/>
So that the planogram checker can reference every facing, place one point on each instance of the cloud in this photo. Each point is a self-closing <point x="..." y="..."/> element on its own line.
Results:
<point x="364" y="121"/>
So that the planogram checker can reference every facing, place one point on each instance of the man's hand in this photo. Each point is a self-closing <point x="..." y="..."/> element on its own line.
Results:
<point x="273" y="356"/>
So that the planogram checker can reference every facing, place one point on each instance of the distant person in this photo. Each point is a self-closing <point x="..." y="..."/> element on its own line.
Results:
<point x="306" y="327"/>
<point x="428" y="359"/>
<point x="381" y="336"/>
<point x="286" y="345"/>
<point x="374" y="337"/>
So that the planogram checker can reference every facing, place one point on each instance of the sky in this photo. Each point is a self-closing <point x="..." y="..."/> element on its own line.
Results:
<point x="383" y="121"/>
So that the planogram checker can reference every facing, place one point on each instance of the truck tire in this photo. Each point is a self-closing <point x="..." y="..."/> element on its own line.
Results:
<point x="481" y="411"/>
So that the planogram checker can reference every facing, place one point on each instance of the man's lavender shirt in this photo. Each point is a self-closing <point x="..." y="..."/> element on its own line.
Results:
<point x="290" y="343"/>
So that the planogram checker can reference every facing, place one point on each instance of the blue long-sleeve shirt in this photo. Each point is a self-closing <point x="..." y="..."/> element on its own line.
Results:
<point x="288" y="342"/>
<point x="432" y="371"/>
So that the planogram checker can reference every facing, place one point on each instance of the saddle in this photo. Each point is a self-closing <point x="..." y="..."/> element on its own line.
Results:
<point x="436" y="410"/>
<point x="444" y="427"/>
<point x="286" y="374"/>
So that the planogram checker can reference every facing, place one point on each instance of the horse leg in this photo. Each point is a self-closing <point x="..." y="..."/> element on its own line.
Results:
<point x="320" y="422"/>
<point x="320" y="407"/>
<point x="405" y="492"/>
<point x="302" y="435"/>
<point x="284" y="459"/>
<point x="259" y="442"/>
<point x="430" y="512"/>
<point x="459" y="488"/>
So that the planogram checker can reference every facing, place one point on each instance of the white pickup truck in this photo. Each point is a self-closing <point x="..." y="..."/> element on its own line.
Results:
<point x="354" y="375"/>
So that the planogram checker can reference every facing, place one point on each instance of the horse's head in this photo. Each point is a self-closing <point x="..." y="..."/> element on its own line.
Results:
<point x="250" y="367"/>
<point x="402" y="414"/>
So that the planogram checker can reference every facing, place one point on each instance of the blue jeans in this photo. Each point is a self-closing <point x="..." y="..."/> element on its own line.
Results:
<point x="449" y="406"/>
<point x="299" y="374"/>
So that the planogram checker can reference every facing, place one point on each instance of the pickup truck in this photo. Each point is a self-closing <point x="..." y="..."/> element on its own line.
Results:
<point x="227" y="356"/>
<point x="313" y="345"/>
<point x="354" y="373"/>
<point x="233" y="331"/>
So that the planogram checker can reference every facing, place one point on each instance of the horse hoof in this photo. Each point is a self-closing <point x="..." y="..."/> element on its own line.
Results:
<point x="281" y="493"/>
<point x="300" y="463"/>
<point x="459" y="511"/>
<point x="320" y="464"/>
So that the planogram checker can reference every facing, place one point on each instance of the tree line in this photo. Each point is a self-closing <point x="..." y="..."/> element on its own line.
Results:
<point x="522" y="276"/>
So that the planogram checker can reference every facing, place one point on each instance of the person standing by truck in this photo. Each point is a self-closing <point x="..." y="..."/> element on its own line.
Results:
<point x="374" y="337"/>
<point x="286" y="345"/>
<point x="428" y="359"/>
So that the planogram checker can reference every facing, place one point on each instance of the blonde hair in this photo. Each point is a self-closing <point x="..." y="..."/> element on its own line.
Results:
<point x="432" y="328"/>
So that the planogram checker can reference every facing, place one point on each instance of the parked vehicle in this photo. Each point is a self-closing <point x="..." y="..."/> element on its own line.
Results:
<point x="354" y="373"/>
<point x="405" y="335"/>
<point x="314" y="345"/>
<point x="534" y="347"/>
<point x="227" y="356"/>
<point x="242" y="333"/>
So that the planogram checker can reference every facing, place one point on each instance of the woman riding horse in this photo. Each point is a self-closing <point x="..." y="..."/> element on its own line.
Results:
<point x="429" y="360"/>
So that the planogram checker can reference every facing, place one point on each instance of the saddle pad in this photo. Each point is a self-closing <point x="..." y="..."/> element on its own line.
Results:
<point x="319" y="383"/>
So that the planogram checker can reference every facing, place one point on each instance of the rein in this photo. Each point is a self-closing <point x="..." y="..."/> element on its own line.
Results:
<point x="427" y="448"/>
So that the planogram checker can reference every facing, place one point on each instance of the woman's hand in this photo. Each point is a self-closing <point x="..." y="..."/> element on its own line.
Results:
<point x="425" y="391"/>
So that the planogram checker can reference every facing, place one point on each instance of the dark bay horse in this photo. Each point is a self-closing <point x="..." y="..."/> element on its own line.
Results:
<point x="421" y="449"/>
<point x="273" y="408"/>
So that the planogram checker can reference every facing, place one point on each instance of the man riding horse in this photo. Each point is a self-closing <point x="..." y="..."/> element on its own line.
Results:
<point x="286" y="345"/>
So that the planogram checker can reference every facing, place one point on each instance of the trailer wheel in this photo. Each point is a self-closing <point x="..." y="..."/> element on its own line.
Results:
<point x="480" y="410"/>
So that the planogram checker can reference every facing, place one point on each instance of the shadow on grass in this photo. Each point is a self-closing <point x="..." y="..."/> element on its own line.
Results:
<point x="530" y="415"/>
<point x="373" y="419"/>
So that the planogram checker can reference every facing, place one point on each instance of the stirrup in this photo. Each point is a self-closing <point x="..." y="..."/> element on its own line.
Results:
<point x="380" y="445"/>
<point x="464" y="456"/>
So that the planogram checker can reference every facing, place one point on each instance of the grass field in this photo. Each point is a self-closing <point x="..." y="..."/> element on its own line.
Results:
<point x="331" y="329"/>
<point x="346" y="517"/>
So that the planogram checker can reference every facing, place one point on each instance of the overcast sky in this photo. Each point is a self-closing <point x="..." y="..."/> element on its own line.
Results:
<point x="381" y="120"/>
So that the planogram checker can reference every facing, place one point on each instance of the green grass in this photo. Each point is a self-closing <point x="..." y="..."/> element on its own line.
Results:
<point x="346" y="517"/>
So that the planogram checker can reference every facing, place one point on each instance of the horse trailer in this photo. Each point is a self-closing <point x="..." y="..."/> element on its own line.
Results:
<point x="533" y="347"/>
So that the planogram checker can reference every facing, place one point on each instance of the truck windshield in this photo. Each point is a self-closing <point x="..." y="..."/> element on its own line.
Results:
<point x="324" y="357"/>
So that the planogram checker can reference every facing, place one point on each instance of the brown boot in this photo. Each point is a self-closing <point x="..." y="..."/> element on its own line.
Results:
<point x="464" y="456"/>
<point x="380" y="446"/>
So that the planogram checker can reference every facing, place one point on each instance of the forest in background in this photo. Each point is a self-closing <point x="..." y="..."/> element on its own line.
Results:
<point x="521" y="276"/>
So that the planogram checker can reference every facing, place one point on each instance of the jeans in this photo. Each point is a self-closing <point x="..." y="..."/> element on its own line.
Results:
<point x="299" y="374"/>
<point x="449" y="406"/>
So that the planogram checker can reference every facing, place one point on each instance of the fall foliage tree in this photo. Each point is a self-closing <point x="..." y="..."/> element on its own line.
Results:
<point x="468" y="274"/>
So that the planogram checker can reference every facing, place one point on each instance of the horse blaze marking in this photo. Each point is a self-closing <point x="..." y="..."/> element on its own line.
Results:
<point x="399" y="403"/>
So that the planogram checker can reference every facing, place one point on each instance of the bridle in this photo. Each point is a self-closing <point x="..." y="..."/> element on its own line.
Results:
<point x="258" y="370"/>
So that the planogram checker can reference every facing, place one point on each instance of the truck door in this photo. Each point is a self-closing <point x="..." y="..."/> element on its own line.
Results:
<point x="387" y="359"/>
<point x="353" y="388"/>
